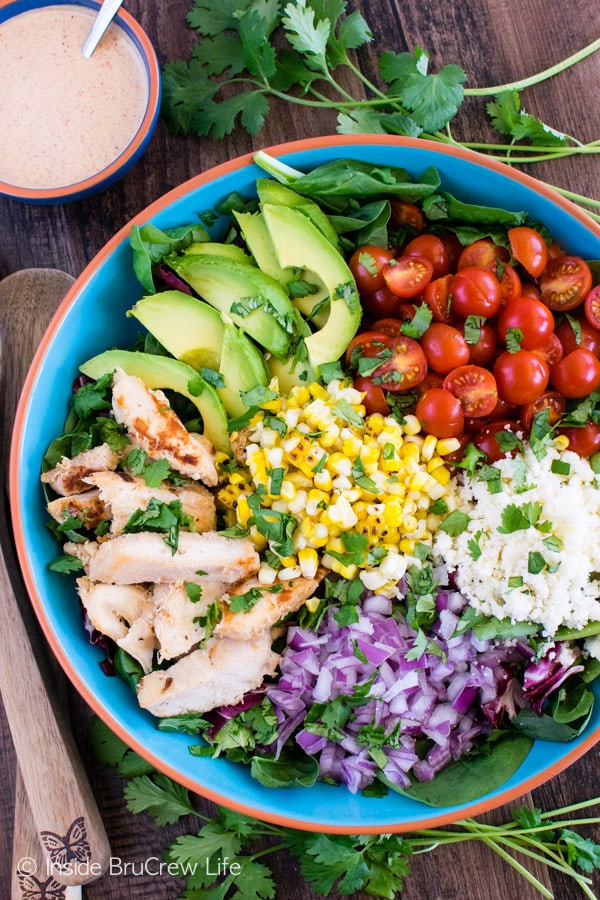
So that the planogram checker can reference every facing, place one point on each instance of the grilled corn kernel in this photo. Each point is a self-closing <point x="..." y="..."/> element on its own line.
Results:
<point x="447" y="445"/>
<point x="308" y="560"/>
<point x="441" y="475"/>
<point x="411" y="425"/>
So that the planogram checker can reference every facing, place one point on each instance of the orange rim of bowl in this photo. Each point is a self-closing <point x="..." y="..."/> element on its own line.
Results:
<point x="431" y="820"/>
<point x="144" y="47"/>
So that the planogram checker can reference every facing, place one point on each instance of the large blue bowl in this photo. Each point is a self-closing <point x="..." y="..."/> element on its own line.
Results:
<point x="92" y="319"/>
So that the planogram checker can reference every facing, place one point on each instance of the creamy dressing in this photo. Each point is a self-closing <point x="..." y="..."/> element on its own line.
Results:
<point x="65" y="117"/>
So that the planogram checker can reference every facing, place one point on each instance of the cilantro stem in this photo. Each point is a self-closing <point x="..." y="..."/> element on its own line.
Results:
<point x="539" y="76"/>
<point x="527" y="875"/>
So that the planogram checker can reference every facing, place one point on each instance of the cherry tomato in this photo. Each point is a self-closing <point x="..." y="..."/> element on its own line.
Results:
<point x="529" y="289"/>
<point x="374" y="400"/>
<point x="408" y="276"/>
<point x="432" y="248"/>
<point x="575" y="332"/>
<point x="453" y="248"/>
<point x="444" y="347"/>
<point x="531" y="318"/>
<point x="529" y="248"/>
<point x="576" y="374"/>
<point x="406" y="215"/>
<point x="475" y="292"/>
<point x="486" y="439"/>
<point x="440" y="413"/>
<point x="431" y="380"/>
<point x="591" y="307"/>
<point x="510" y="284"/>
<point x="366" y="344"/>
<point x="366" y="265"/>
<point x="379" y="303"/>
<point x="521" y="376"/>
<point x="437" y="297"/>
<point x="583" y="439"/>
<point x="483" y="253"/>
<point x="482" y="351"/>
<point x="552" y="401"/>
<point x="475" y="387"/>
<point x="405" y="366"/>
<point x="551" y="351"/>
<point x="565" y="283"/>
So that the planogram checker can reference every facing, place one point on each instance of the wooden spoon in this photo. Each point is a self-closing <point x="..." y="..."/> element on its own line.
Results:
<point x="67" y="821"/>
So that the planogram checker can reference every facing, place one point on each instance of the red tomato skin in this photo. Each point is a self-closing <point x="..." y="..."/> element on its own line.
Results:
<point x="510" y="284"/>
<point x="484" y="351"/>
<point x="565" y="283"/>
<point x="366" y="264"/>
<point x="531" y="317"/>
<point x="437" y="297"/>
<point x="591" y="307"/>
<point x="483" y="253"/>
<point x="529" y="248"/>
<point x="404" y="369"/>
<point x="577" y="374"/>
<point x="406" y="215"/>
<point x="444" y="347"/>
<point x="553" y="401"/>
<point x="528" y="289"/>
<point x="590" y="337"/>
<point x="374" y="400"/>
<point x="380" y="303"/>
<point x="521" y="376"/>
<point x="475" y="292"/>
<point x="552" y="351"/>
<point x="583" y="439"/>
<point x="485" y="440"/>
<point x="407" y="276"/>
<point x="432" y="248"/>
<point x="475" y="387"/>
<point x="440" y="413"/>
<point x="370" y="342"/>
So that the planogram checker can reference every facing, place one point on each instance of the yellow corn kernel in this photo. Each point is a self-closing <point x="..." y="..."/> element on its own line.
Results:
<point x="312" y="604"/>
<point x="301" y="395"/>
<point x="317" y="391"/>
<point x="410" y="524"/>
<point x="308" y="560"/>
<point x="361" y="510"/>
<point x="411" y="425"/>
<point x="406" y="545"/>
<point x="441" y="475"/>
<point x="561" y="442"/>
<point x="351" y="446"/>
<point x="288" y="490"/>
<point x="391" y="537"/>
<point x="323" y="480"/>
<point x="259" y="540"/>
<point x="419" y="481"/>
<point x="447" y="445"/>
<point x="336" y="566"/>
<point x="243" y="511"/>
<point x="374" y="424"/>
<point x="410" y="452"/>
<point x="434" y="463"/>
<point x="370" y="455"/>
<point x="392" y="514"/>
<point x="228" y="495"/>
<point x="428" y="448"/>
<point x="338" y="464"/>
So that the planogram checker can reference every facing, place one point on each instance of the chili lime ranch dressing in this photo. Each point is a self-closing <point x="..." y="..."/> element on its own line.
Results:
<point x="65" y="117"/>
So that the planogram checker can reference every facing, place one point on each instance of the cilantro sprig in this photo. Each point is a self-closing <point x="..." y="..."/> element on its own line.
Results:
<point x="224" y="855"/>
<point x="252" y="52"/>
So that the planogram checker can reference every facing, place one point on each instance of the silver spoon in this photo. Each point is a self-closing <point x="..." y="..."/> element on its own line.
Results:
<point x="106" y="14"/>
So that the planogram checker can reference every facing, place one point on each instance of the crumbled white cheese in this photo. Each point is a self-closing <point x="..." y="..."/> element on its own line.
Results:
<point x="544" y="571"/>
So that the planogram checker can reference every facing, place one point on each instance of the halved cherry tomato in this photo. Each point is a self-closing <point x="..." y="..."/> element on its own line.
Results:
<point x="374" y="399"/>
<point x="574" y="332"/>
<point x="475" y="387"/>
<point x="437" y="297"/>
<point x="392" y="326"/>
<point x="406" y="215"/>
<point x="565" y="283"/>
<point x="486" y="439"/>
<point x="483" y="350"/>
<point x="529" y="289"/>
<point x="552" y="401"/>
<point x="483" y="253"/>
<point x="531" y="318"/>
<point x="444" y="347"/>
<point x="366" y="344"/>
<point x="432" y="248"/>
<point x="551" y="351"/>
<point x="379" y="303"/>
<point x="529" y="248"/>
<point x="405" y="366"/>
<point x="440" y="413"/>
<point x="583" y="439"/>
<point x="453" y="248"/>
<point x="431" y="380"/>
<point x="366" y="265"/>
<point x="591" y="307"/>
<point x="576" y="374"/>
<point x="510" y="284"/>
<point x="521" y="376"/>
<point x="408" y="276"/>
<point x="475" y="292"/>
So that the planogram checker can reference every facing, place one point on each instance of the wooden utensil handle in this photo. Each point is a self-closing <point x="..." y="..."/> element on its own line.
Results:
<point x="64" y="810"/>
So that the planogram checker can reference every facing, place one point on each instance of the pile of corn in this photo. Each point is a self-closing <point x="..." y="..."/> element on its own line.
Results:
<point x="348" y="480"/>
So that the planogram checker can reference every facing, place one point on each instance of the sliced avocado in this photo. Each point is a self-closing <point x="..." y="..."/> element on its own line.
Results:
<point x="188" y="328"/>
<point x="270" y="191"/>
<point x="256" y="235"/>
<point x="299" y="243"/>
<point x="290" y="373"/>
<point x="213" y="248"/>
<point x="171" y="374"/>
<point x="242" y="367"/>
<point x="254" y="301"/>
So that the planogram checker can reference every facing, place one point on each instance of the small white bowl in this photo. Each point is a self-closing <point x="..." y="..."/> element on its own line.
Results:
<point x="73" y="125"/>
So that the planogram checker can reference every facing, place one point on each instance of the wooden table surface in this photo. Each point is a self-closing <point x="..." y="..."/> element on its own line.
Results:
<point x="495" y="41"/>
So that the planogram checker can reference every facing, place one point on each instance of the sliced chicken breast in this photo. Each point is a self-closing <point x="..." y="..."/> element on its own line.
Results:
<point x="175" y="617"/>
<point x="68" y="475"/>
<point x="112" y="608"/>
<point x="123" y="494"/>
<point x="152" y="425"/>
<point x="140" y="642"/>
<point x="217" y="675"/>
<point x="271" y="606"/>
<point x="145" y="557"/>
<point x="87" y="507"/>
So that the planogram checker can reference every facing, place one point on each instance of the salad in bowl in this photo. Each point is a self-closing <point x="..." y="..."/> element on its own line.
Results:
<point x="326" y="500"/>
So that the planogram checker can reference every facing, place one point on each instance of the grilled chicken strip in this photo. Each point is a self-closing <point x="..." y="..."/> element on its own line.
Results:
<point x="140" y="642"/>
<point x="268" y="609"/>
<point x="123" y="494"/>
<point x="87" y="507"/>
<point x="175" y="617"/>
<point x="152" y="425"/>
<point x="145" y="557"/>
<point x="217" y="675"/>
<point x="68" y="475"/>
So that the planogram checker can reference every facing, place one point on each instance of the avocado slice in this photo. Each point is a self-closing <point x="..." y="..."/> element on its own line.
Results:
<point x="242" y="367"/>
<point x="213" y="248"/>
<point x="298" y="242"/>
<point x="188" y="328"/>
<point x="256" y="234"/>
<point x="171" y="374"/>
<point x="270" y="191"/>
<point x="254" y="301"/>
